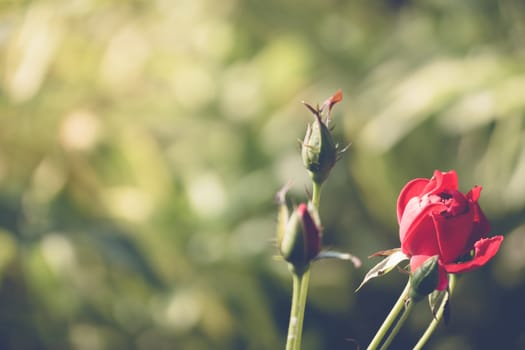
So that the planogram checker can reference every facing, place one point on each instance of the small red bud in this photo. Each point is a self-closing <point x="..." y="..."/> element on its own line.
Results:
<point x="301" y="241"/>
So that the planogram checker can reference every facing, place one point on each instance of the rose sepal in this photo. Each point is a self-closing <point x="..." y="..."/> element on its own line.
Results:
<point x="393" y="258"/>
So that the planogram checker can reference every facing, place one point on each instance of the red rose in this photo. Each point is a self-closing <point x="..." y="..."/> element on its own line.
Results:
<point x="436" y="219"/>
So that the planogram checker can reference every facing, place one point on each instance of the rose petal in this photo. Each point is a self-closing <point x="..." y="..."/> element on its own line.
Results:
<point x="450" y="180"/>
<point x="481" y="226"/>
<point x="312" y="239"/>
<point x="442" y="181"/>
<point x="433" y="183"/>
<point x="474" y="193"/>
<point x="412" y="189"/>
<point x="484" y="250"/>
<point x="417" y="260"/>
<point x="443" y="278"/>
<point x="416" y="229"/>
<point x="453" y="235"/>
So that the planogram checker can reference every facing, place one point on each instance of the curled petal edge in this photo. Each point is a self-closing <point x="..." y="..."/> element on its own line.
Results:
<point x="484" y="250"/>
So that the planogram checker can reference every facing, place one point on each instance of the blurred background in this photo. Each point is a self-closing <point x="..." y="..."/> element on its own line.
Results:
<point x="142" y="143"/>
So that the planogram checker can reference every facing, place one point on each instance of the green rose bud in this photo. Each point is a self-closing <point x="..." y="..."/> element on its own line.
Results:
<point x="425" y="279"/>
<point x="319" y="151"/>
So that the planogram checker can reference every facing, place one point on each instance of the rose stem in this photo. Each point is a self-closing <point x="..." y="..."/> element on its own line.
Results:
<point x="295" y="328"/>
<point x="439" y="315"/>
<point x="300" y="292"/>
<point x="316" y="195"/>
<point x="387" y="323"/>
<point x="400" y="322"/>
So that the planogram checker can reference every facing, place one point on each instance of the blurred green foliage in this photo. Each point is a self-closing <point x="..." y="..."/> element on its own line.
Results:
<point x="142" y="142"/>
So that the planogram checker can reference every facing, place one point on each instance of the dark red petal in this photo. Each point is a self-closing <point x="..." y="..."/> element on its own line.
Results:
<point x="311" y="232"/>
<point x="417" y="260"/>
<point x="453" y="235"/>
<point x="484" y="250"/>
<point x="416" y="229"/>
<point x="412" y="189"/>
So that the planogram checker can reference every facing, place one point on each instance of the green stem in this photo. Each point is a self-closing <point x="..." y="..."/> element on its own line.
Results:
<point x="439" y="315"/>
<point x="299" y="293"/>
<point x="316" y="195"/>
<point x="406" y="311"/>
<point x="392" y="316"/>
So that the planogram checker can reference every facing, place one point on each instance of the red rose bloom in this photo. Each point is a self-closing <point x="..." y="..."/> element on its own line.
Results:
<point x="436" y="219"/>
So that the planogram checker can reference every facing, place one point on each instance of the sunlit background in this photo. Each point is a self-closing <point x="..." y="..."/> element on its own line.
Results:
<point x="142" y="143"/>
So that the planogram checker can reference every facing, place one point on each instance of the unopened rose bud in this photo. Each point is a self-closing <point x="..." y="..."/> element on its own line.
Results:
<point x="319" y="151"/>
<point x="301" y="241"/>
<point x="425" y="279"/>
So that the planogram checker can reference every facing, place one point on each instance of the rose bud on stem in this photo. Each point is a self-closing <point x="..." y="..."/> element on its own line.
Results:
<point x="319" y="151"/>
<point x="299" y="234"/>
<point x="301" y="241"/>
